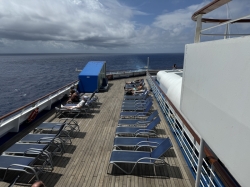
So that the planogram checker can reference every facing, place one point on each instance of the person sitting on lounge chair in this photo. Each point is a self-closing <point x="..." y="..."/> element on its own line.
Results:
<point x="73" y="97"/>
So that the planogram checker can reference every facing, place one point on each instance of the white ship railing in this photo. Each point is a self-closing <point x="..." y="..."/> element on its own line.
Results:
<point x="11" y="122"/>
<point x="225" y="23"/>
<point x="197" y="16"/>
<point x="183" y="137"/>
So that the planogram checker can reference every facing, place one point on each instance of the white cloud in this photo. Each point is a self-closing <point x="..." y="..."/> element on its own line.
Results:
<point x="64" y="20"/>
<point x="96" y="26"/>
<point x="177" y="21"/>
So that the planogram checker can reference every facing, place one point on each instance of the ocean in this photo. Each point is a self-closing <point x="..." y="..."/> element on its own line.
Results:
<point x="26" y="77"/>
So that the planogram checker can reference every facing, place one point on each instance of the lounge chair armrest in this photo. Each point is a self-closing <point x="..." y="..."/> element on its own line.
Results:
<point x="144" y="131"/>
<point x="23" y="166"/>
<point x="150" y="158"/>
<point x="143" y="122"/>
<point x="33" y="150"/>
<point x="142" y="114"/>
<point x="149" y="142"/>
<point x="20" y="165"/>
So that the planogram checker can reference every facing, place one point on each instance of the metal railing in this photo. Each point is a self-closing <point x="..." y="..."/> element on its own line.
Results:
<point x="199" y="31"/>
<point x="184" y="138"/>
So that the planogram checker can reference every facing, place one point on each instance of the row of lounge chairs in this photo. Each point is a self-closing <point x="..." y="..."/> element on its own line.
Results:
<point x="34" y="152"/>
<point x="135" y="131"/>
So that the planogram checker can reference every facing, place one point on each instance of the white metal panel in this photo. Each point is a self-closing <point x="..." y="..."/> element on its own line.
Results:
<point x="170" y="83"/>
<point x="216" y="99"/>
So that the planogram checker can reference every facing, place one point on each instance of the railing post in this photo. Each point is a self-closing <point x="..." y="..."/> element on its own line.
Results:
<point x="198" y="29"/>
<point x="200" y="161"/>
<point x="211" y="176"/>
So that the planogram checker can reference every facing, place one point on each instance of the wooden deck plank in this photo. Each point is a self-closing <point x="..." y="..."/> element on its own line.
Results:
<point x="86" y="161"/>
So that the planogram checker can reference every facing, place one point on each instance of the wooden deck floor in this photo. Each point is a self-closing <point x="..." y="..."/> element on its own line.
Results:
<point x="86" y="161"/>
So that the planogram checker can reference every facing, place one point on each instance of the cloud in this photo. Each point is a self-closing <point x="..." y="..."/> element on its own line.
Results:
<point x="98" y="26"/>
<point x="177" y="21"/>
<point x="83" y="21"/>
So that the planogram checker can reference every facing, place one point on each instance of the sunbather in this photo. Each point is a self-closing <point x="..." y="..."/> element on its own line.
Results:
<point x="74" y="97"/>
<point x="79" y="105"/>
<point x="135" y="81"/>
<point x="132" y="91"/>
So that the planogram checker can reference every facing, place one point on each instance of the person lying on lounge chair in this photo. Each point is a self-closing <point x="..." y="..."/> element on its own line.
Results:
<point x="135" y="81"/>
<point x="139" y="88"/>
<point x="79" y="105"/>
<point x="133" y="92"/>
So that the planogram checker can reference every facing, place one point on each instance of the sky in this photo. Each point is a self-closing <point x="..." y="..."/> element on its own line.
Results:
<point x="107" y="26"/>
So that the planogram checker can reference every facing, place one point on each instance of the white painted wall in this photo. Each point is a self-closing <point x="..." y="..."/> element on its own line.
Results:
<point x="215" y="99"/>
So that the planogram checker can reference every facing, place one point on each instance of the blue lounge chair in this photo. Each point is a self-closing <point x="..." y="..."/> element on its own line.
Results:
<point x="137" y="142"/>
<point x="134" y="122"/>
<point x="38" y="150"/>
<point x="52" y="139"/>
<point x="129" y="102"/>
<point x="138" y="107"/>
<point x="143" y="95"/>
<point x="140" y="157"/>
<point x="64" y="128"/>
<point x="137" y="131"/>
<point x="19" y="163"/>
<point x="133" y="114"/>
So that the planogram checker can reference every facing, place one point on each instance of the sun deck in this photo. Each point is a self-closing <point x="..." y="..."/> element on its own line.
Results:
<point x="86" y="161"/>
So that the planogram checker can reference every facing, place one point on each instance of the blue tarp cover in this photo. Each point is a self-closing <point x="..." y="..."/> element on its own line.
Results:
<point x="92" y="68"/>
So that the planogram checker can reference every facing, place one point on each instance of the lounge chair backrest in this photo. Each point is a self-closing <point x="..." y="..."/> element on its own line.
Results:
<point x="92" y="95"/>
<point x="152" y="116"/>
<point x="148" y="106"/>
<point x="161" y="149"/>
<point x="153" y="123"/>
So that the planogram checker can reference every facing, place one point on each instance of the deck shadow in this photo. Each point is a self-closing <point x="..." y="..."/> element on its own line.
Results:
<point x="54" y="178"/>
<point x="80" y="135"/>
<point x="70" y="149"/>
<point x="61" y="162"/>
<point x="170" y="153"/>
<point x="161" y="131"/>
<point x="95" y="111"/>
<point x="147" y="171"/>
<point x="28" y="180"/>
<point x="174" y="172"/>
<point x="141" y="170"/>
<point x="85" y="116"/>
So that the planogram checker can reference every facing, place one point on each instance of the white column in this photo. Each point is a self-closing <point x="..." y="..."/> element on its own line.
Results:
<point x="198" y="28"/>
<point x="200" y="161"/>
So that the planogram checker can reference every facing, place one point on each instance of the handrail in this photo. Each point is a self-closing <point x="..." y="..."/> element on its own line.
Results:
<point x="19" y="109"/>
<point x="210" y="156"/>
<point x="227" y="22"/>
<point x="208" y="20"/>
<point x="209" y="7"/>
<point x="196" y="137"/>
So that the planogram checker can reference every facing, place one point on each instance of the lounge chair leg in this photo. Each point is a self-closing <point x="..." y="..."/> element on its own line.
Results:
<point x="154" y="170"/>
